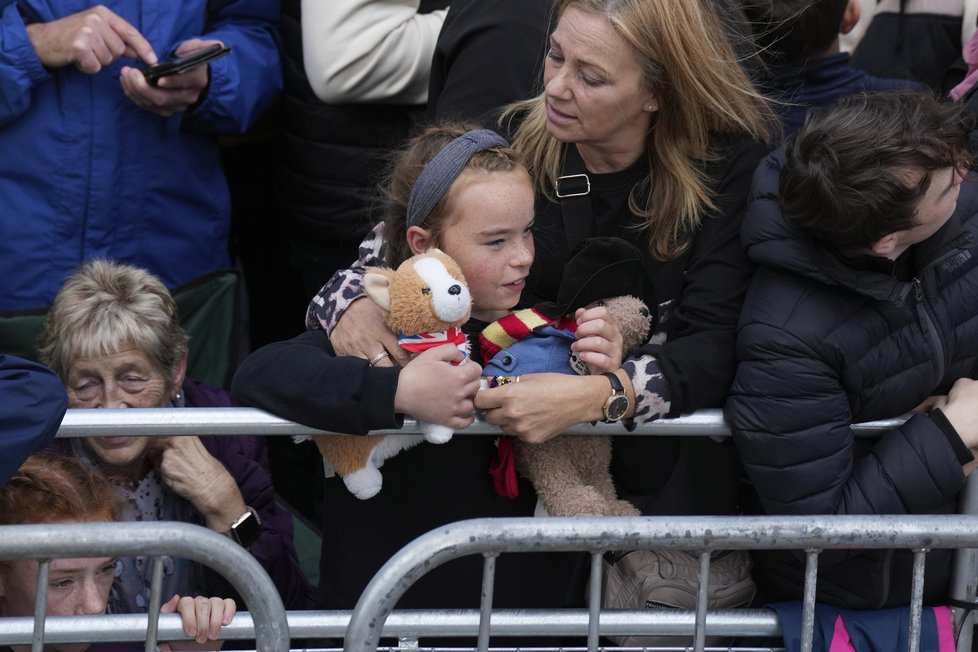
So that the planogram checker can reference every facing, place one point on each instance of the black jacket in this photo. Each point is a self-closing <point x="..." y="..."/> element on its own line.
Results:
<point x="823" y="344"/>
<point x="488" y="54"/>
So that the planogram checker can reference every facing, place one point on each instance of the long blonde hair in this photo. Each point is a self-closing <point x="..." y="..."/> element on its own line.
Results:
<point x="688" y="63"/>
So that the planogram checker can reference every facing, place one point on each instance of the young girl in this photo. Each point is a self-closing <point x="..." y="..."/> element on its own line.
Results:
<point x="467" y="193"/>
<point x="49" y="489"/>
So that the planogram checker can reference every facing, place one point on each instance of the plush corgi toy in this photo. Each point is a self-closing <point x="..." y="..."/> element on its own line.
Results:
<point x="427" y="300"/>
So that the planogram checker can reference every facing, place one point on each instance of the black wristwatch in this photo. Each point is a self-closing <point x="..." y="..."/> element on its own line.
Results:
<point x="246" y="528"/>
<point x="617" y="404"/>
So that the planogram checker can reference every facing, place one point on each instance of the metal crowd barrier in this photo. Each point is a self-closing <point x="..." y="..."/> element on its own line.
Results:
<point x="703" y="535"/>
<point x="269" y="626"/>
<point x="408" y="626"/>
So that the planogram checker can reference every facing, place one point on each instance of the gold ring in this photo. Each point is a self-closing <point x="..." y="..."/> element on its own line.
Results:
<point x="377" y="358"/>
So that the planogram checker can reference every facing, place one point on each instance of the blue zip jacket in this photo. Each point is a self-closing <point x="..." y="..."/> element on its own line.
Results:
<point x="86" y="173"/>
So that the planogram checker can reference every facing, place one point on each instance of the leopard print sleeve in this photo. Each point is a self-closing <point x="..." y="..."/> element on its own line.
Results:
<point x="652" y="394"/>
<point x="651" y="389"/>
<point x="346" y="285"/>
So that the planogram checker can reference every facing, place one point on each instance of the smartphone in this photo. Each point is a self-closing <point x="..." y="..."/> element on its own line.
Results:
<point x="184" y="63"/>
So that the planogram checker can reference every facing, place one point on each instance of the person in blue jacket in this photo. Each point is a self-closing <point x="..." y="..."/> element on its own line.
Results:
<point x="32" y="403"/>
<point x="99" y="163"/>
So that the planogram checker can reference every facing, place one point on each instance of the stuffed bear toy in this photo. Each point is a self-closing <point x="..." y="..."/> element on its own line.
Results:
<point x="426" y="300"/>
<point x="571" y="473"/>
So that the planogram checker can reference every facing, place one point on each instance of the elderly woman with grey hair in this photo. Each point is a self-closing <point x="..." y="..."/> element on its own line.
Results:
<point x="114" y="338"/>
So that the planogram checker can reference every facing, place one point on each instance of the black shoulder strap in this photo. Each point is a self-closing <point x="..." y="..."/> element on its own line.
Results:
<point x="573" y="188"/>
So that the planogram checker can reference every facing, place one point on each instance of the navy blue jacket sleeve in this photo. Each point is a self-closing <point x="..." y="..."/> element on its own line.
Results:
<point x="32" y="404"/>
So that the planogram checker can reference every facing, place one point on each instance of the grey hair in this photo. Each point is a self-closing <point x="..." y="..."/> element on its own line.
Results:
<point x="106" y="306"/>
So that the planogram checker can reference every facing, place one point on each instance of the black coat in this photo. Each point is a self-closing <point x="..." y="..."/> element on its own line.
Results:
<point x="489" y="53"/>
<point x="823" y="344"/>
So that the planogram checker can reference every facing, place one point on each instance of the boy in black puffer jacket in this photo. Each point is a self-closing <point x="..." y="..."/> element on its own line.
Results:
<point x="863" y="307"/>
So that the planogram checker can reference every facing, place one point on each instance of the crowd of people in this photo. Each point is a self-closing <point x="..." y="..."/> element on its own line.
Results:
<point x="805" y="247"/>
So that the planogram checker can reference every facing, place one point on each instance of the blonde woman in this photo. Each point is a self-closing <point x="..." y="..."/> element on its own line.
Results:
<point x="648" y="128"/>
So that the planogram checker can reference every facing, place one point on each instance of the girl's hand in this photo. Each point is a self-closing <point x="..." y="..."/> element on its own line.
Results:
<point x="599" y="343"/>
<point x="202" y="619"/>
<point x="432" y="389"/>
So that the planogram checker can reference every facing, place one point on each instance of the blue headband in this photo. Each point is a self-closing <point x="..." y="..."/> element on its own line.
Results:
<point x="442" y="171"/>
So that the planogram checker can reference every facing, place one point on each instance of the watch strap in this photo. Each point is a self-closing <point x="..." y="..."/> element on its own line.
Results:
<point x="616" y="405"/>
<point x="616" y="386"/>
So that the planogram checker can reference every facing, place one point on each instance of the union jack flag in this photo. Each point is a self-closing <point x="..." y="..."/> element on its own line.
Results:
<point x="424" y="341"/>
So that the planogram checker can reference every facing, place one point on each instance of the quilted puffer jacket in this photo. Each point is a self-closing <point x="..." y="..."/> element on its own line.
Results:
<point x="823" y="345"/>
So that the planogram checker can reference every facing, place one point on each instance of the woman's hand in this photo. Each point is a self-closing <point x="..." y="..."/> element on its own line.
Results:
<point x="432" y="389"/>
<point x="190" y="471"/>
<point x="172" y="94"/>
<point x="362" y="332"/>
<point x="540" y="406"/>
<point x="599" y="343"/>
<point x="202" y="619"/>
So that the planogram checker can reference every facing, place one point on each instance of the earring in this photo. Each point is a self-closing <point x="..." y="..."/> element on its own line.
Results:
<point x="649" y="107"/>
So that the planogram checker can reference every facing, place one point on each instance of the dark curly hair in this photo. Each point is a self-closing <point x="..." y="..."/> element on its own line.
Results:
<point x="844" y="178"/>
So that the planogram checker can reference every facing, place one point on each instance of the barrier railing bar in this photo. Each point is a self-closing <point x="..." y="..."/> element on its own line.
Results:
<point x="808" y="600"/>
<point x="964" y="570"/>
<point x="407" y="624"/>
<point x="40" y="605"/>
<point x="594" y="602"/>
<point x="155" y="600"/>
<point x="699" y="640"/>
<point x="166" y="422"/>
<point x="600" y="534"/>
<point x="917" y="598"/>
<point x="485" y="604"/>
<point x="160" y="538"/>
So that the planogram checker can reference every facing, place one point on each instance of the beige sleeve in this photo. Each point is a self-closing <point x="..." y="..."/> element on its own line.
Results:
<point x="369" y="50"/>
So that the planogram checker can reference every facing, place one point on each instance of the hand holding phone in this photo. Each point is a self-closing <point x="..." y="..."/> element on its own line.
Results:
<point x="184" y="63"/>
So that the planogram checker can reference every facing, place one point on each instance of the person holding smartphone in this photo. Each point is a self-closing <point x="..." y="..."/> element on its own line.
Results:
<point x="111" y="165"/>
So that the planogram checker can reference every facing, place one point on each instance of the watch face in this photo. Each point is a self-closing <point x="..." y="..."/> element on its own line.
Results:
<point x="616" y="407"/>
<point x="246" y="530"/>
